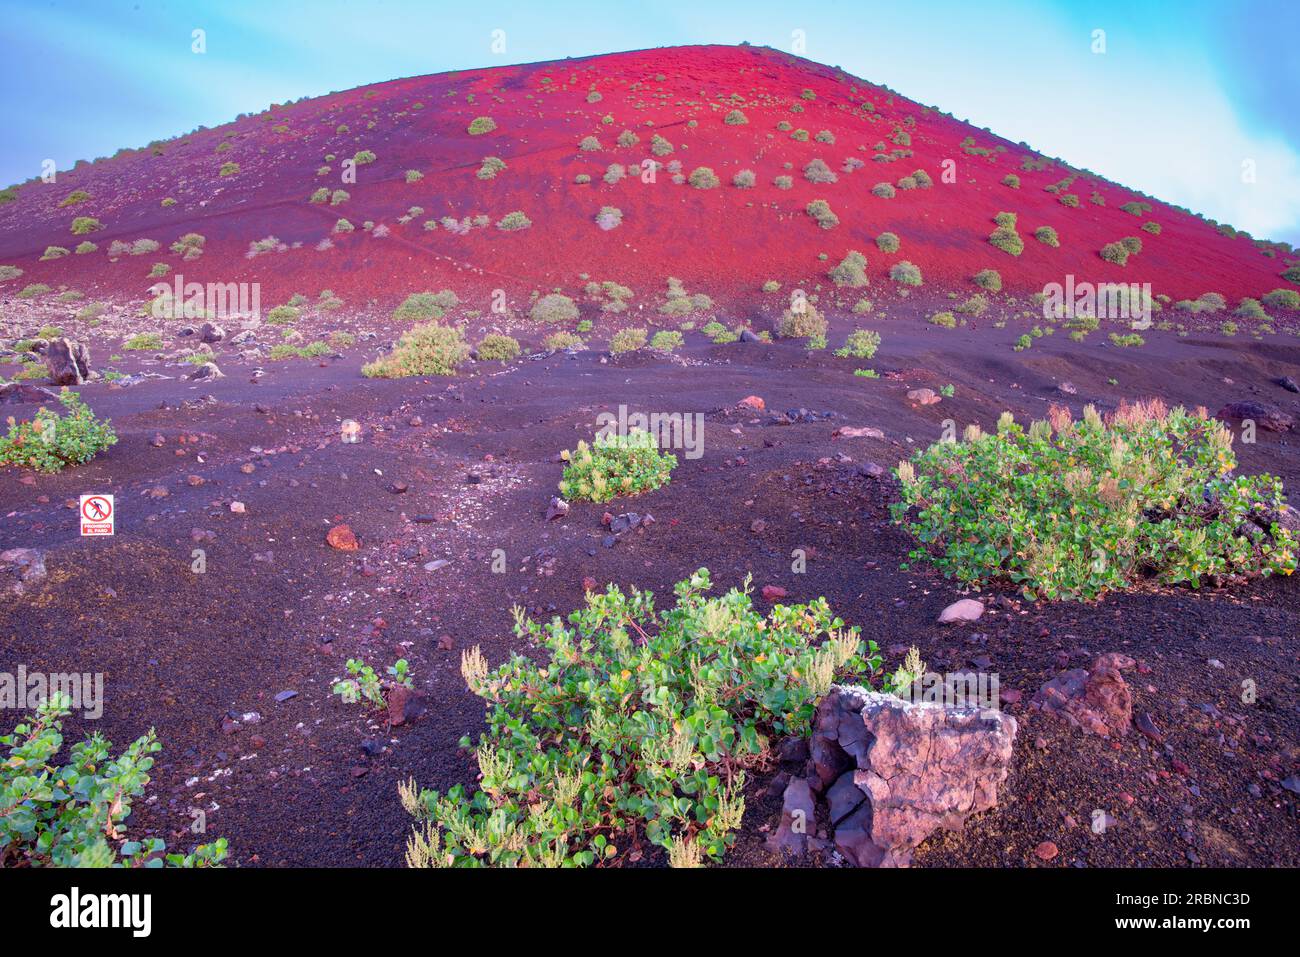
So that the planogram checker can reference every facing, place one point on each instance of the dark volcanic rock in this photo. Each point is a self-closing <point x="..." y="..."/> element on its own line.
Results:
<point x="68" y="362"/>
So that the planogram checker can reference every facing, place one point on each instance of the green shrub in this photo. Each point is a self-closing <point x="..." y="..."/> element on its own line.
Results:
<point x="783" y="182"/>
<point x="801" y="324"/>
<point x="1012" y="180"/>
<point x="905" y="273"/>
<point x="143" y="342"/>
<point x="424" y="349"/>
<point x="771" y="286"/>
<point x="861" y="344"/>
<point x="799" y="136"/>
<point x="1075" y="509"/>
<point x="887" y="243"/>
<point x="283" y="315"/>
<point x="85" y="224"/>
<point x="744" y="179"/>
<point x="1136" y="208"/>
<point x="945" y="319"/>
<point x="976" y="305"/>
<point x="75" y="198"/>
<point x="605" y="737"/>
<point x="1282" y="299"/>
<point x="559" y="341"/>
<point x="228" y="169"/>
<point x="414" y="176"/>
<point x="851" y="271"/>
<point x="339" y="196"/>
<point x="883" y="190"/>
<point x="1047" y="236"/>
<point x="735" y="118"/>
<point x="54" y="252"/>
<point x="1127" y="341"/>
<point x="9" y="272"/>
<point x="1132" y="243"/>
<point x="816" y="171"/>
<point x="1116" y="253"/>
<point x="514" y="221"/>
<point x="615" y="466"/>
<point x="32" y="290"/>
<point x="49" y="442"/>
<point x="481" y="125"/>
<point x="660" y="146"/>
<point x="1152" y="227"/>
<point x="1250" y="309"/>
<point x="1007" y="239"/>
<point x="554" y="308"/>
<point x="84" y="247"/>
<point x="989" y="279"/>
<point x="821" y="211"/>
<point x="667" y="340"/>
<point x="627" y="340"/>
<point x="490" y="166"/>
<point x="703" y="178"/>
<point x="498" y="348"/>
<point x="627" y="139"/>
<point x="69" y="815"/>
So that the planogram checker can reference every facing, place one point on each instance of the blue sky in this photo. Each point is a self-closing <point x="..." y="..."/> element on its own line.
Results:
<point x="1183" y="95"/>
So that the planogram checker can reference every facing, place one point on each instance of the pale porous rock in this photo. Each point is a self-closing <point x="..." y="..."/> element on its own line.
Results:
<point x="21" y="568"/>
<point x="966" y="609"/>
<point x="894" y="771"/>
<point x="1098" y="701"/>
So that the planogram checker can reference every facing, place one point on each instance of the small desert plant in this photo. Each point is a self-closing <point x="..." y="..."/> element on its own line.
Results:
<point x="1116" y="253"/>
<point x="615" y="465"/>
<point x="490" y="166"/>
<point x="1012" y="180"/>
<point x="628" y="340"/>
<point x="802" y="323"/>
<point x="703" y="178"/>
<point x="365" y="685"/>
<point x="989" y="279"/>
<point x="559" y="341"/>
<point x="851" y="271"/>
<point x="905" y="273"/>
<point x="887" y="243"/>
<point x="1152" y="227"/>
<point x="32" y="290"/>
<point x="498" y="348"/>
<point x="425" y="306"/>
<point x="945" y="319"/>
<point x="667" y="340"/>
<point x="554" y="308"/>
<point x="513" y="221"/>
<point x="783" y="182"/>
<point x="735" y="118"/>
<point x="1282" y="299"/>
<point x="744" y="179"/>
<point x="1073" y="509"/>
<point x="883" y="190"/>
<point x="816" y="171"/>
<point x="821" y="211"/>
<point x="425" y="349"/>
<point x="143" y="342"/>
<point x="481" y="125"/>
<point x="861" y="344"/>
<point x="55" y="252"/>
<point x="1047" y="236"/>
<point x="85" y="224"/>
<point x="228" y="169"/>
<point x="49" y="442"/>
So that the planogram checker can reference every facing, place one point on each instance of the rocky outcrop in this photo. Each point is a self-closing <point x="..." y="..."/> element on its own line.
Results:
<point x="1098" y="700"/>
<point x="20" y="569"/>
<point x="1267" y="417"/>
<point x="67" y="361"/>
<point x="892" y="772"/>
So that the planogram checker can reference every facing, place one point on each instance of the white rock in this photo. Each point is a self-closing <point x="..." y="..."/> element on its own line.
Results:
<point x="967" y="609"/>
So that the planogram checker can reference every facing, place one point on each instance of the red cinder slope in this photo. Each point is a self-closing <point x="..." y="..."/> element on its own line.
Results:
<point x="725" y="241"/>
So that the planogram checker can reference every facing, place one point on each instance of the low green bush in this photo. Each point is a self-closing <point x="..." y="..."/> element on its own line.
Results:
<point x="424" y="349"/>
<point x="72" y="815"/>
<point x="803" y="323"/>
<point x="49" y="442"/>
<point x="861" y="344"/>
<point x="1073" y="509"/>
<point x="615" y="466"/>
<point x="498" y="348"/>
<point x="628" y="340"/>
<point x="628" y="721"/>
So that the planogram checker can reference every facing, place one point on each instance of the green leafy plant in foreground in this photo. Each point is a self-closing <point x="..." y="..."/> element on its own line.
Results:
<point x="71" y="815"/>
<point x="633" y="722"/>
<point x="49" y="442"/>
<point x="364" y="683"/>
<point x="615" y="465"/>
<point x="1072" y="509"/>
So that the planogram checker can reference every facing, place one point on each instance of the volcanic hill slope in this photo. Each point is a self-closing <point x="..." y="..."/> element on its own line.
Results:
<point x="427" y="212"/>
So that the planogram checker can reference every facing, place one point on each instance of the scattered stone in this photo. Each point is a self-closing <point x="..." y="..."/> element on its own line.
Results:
<point x="753" y="402"/>
<point x="798" y="815"/>
<point x="1288" y="383"/>
<point x="1098" y="701"/>
<point x="917" y="767"/>
<point x="1268" y="417"/>
<point x="857" y="432"/>
<point x="773" y="592"/>
<point x="238" y="508"/>
<point x="398" y="488"/>
<point x="284" y="696"/>
<point x="1067" y="388"/>
<point x="433" y="566"/>
<point x="871" y="470"/>
<point x="208" y="370"/>
<point x="12" y="393"/>
<point x="342" y="538"/>
<point x="211" y="332"/>
<point x="557" y="509"/>
<point x="404" y="704"/>
<point x="1046" y="851"/>
<point x="922" y="397"/>
<point x="1148" y="727"/>
<point x="965" y="609"/>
